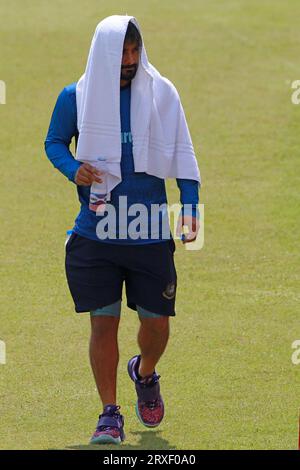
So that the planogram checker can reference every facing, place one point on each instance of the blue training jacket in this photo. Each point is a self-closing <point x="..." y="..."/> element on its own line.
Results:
<point x="138" y="187"/>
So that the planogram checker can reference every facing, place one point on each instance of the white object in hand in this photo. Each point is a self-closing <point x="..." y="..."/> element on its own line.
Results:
<point x="98" y="194"/>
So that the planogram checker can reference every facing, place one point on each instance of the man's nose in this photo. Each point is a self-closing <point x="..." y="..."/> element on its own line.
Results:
<point x="129" y="58"/>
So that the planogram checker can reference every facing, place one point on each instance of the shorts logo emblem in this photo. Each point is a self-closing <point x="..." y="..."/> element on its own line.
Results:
<point x="169" y="292"/>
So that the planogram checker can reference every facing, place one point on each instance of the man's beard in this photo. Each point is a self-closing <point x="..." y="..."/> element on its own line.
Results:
<point x="128" y="73"/>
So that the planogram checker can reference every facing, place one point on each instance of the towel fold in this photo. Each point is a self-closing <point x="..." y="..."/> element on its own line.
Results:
<point x="162" y="143"/>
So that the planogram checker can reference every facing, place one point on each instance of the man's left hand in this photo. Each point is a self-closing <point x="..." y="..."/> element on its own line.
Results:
<point x="193" y="225"/>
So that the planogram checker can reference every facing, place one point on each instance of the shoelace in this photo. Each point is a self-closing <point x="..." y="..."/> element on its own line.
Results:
<point x="155" y="378"/>
<point x="152" y="404"/>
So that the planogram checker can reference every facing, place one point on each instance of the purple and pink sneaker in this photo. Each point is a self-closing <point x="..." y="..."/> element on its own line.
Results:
<point x="150" y="406"/>
<point x="110" y="427"/>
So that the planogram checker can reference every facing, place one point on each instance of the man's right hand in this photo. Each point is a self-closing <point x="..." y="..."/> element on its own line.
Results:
<point x="87" y="174"/>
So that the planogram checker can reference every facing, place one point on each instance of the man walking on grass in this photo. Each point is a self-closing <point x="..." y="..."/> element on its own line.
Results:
<point x="131" y="134"/>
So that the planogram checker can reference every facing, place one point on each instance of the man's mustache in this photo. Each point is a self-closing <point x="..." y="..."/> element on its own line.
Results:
<point x="125" y="67"/>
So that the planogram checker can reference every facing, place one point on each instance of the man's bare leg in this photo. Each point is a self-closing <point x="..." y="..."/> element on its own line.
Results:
<point x="152" y="339"/>
<point x="104" y="356"/>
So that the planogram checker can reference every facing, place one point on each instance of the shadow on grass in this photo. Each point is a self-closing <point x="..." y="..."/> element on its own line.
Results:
<point x="149" y="440"/>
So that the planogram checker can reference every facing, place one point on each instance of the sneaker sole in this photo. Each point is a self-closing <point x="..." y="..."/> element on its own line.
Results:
<point x="106" y="440"/>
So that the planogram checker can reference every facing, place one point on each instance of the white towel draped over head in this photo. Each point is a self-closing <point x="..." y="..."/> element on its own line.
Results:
<point x="162" y="144"/>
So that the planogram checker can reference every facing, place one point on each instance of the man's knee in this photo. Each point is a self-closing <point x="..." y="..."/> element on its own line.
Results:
<point x="156" y="325"/>
<point x="104" y="325"/>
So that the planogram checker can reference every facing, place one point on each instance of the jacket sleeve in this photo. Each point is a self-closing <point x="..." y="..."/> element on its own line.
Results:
<point x="189" y="196"/>
<point x="63" y="127"/>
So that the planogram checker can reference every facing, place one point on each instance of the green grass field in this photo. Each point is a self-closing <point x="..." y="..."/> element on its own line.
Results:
<point x="227" y="376"/>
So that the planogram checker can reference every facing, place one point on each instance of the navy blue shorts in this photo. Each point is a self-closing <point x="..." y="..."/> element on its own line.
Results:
<point x="96" y="271"/>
